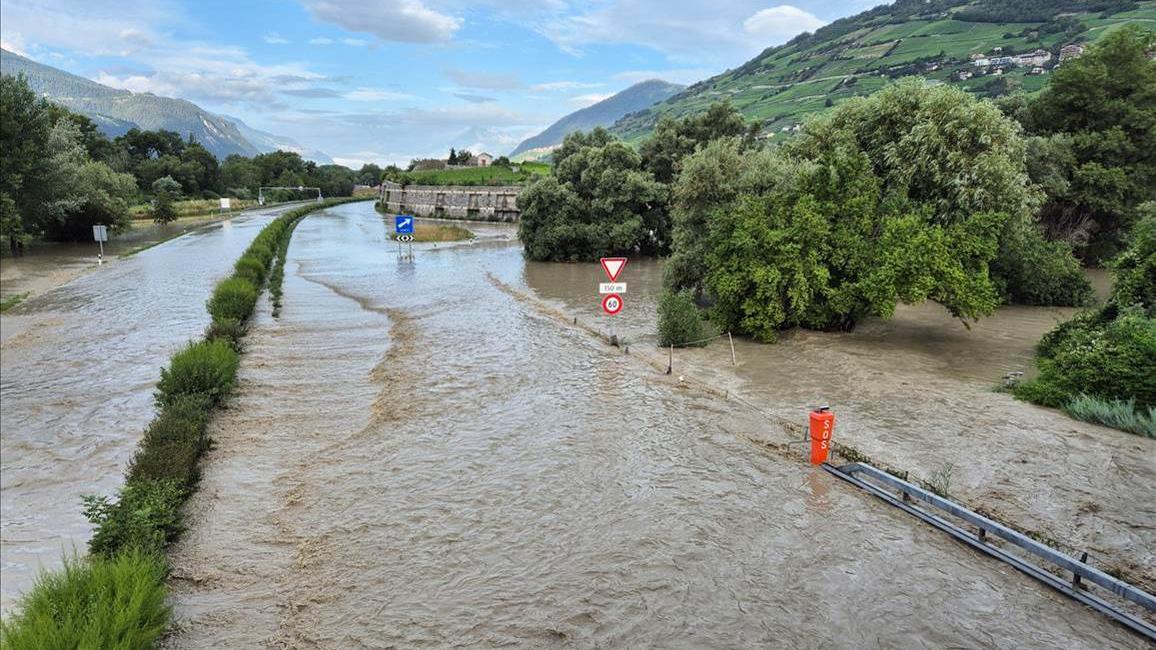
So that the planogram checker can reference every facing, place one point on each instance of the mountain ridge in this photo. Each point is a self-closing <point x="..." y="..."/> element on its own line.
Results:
<point x="604" y="113"/>
<point x="115" y="111"/>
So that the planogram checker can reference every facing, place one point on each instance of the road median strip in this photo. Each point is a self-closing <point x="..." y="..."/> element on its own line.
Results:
<point x="116" y="596"/>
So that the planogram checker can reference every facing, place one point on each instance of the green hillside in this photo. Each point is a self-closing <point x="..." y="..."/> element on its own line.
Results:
<point x="862" y="53"/>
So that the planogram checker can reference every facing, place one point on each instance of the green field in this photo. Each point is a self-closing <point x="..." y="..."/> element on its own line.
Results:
<point x="785" y="84"/>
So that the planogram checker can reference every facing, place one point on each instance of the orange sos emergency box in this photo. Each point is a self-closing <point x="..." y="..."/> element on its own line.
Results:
<point x="822" y="427"/>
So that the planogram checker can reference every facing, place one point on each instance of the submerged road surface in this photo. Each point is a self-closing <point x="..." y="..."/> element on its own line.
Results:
<point x="77" y="372"/>
<point x="417" y="459"/>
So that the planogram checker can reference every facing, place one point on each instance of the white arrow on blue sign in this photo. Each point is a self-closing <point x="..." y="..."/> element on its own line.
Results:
<point x="403" y="224"/>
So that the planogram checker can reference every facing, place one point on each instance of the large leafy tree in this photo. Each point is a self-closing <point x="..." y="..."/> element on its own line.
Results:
<point x="1095" y="154"/>
<point x="674" y="139"/>
<point x="903" y="196"/>
<point x="958" y="156"/>
<point x="599" y="201"/>
<point x="24" y="129"/>
<point x="829" y="247"/>
<point x="49" y="184"/>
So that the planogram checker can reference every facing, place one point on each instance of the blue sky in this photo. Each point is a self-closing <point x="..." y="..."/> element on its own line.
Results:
<point x="389" y="80"/>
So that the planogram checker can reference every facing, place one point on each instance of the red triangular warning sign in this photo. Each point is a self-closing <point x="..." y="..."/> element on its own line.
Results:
<point x="613" y="266"/>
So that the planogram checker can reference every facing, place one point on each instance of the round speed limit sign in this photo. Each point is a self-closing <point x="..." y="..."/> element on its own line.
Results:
<point x="612" y="303"/>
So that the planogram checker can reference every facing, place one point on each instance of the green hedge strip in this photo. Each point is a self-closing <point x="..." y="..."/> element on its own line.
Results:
<point x="115" y="597"/>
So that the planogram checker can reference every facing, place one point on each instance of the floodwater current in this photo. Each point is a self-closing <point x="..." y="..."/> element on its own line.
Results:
<point x="77" y="369"/>
<point x="417" y="458"/>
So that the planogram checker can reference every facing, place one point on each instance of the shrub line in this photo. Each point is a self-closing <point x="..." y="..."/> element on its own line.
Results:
<point x="115" y="597"/>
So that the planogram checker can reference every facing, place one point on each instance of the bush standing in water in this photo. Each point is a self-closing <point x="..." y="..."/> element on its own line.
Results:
<point x="165" y="191"/>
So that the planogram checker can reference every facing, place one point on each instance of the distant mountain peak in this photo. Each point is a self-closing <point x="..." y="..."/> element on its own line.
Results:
<point x="115" y="111"/>
<point x="604" y="113"/>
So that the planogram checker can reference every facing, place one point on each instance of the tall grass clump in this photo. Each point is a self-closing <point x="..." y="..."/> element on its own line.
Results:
<point x="251" y="268"/>
<point x="205" y="369"/>
<point x="1118" y="414"/>
<point x="92" y="603"/>
<point x="115" y="597"/>
<point x="679" y="321"/>
<point x="234" y="298"/>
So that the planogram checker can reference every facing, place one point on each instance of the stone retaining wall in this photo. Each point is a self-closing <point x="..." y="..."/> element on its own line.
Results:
<point x="480" y="202"/>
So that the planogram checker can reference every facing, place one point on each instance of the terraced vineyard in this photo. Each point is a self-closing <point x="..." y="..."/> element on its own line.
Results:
<point x="862" y="53"/>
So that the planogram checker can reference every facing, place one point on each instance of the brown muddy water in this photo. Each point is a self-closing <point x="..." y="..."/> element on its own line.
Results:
<point x="915" y="392"/>
<point x="77" y="369"/>
<point x="418" y="459"/>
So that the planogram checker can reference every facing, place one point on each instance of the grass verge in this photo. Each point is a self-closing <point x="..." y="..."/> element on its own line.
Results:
<point x="1116" y="413"/>
<point x="12" y="301"/>
<point x="115" y="596"/>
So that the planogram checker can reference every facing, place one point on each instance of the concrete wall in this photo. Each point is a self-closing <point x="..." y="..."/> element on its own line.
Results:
<point x="481" y="202"/>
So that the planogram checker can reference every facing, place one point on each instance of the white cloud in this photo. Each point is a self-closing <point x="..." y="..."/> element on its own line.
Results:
<point x="403" y="21"/>
<point x="274" y="39"/>
<point x="564" y="85"/>
<point x="375" y="95"/>
<point x="483" y="80"/>
<point x="781" y="23"/>
<point x="207" y="73"/>
<point x="95" y="28"/>
<point x="321" y="41"/>
<point x="685" y="30"/>
<point x="14" y="43"/>
<point x="591" y="99"/>
<point x="355" y="42"/>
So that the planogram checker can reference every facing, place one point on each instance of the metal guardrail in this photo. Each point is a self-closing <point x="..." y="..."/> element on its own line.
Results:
<point x="856" y="473"/>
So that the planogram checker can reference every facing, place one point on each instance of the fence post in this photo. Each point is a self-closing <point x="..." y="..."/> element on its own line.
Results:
<point x="670" y="363"/>
<point x="734" y="362"/>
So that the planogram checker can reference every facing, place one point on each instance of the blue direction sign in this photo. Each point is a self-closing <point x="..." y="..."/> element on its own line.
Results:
<point x="403" y="224"/>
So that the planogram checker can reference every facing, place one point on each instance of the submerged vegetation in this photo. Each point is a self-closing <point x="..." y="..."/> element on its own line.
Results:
<point x="425" y="232"/>
<point x="680" y="323"/>
<point x="1101" y="365"/>
<point x="115" y="597"/>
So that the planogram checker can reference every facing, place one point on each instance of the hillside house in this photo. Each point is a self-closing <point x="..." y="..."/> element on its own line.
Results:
<point x="1035" y="58"/>
<point x="483" y="160"/>
<point x="1072" y="51"/>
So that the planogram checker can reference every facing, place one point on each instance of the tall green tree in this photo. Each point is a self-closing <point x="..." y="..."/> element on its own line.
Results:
<point x="1096" y="149"/>
<point x="24" y="128"/>
<point x="674" y="139"/>
<point x="903" y="196"/>
<point x="829" y="247"/>
<point x="165" y="190"/>
<point x="939" y="147"/>
<point x="599" y="201"/>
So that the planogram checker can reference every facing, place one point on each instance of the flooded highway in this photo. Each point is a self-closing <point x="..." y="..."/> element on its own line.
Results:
<point x="79" y="364"/>
<point x="915" y="392"/>
<point x="418" y="459"/>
